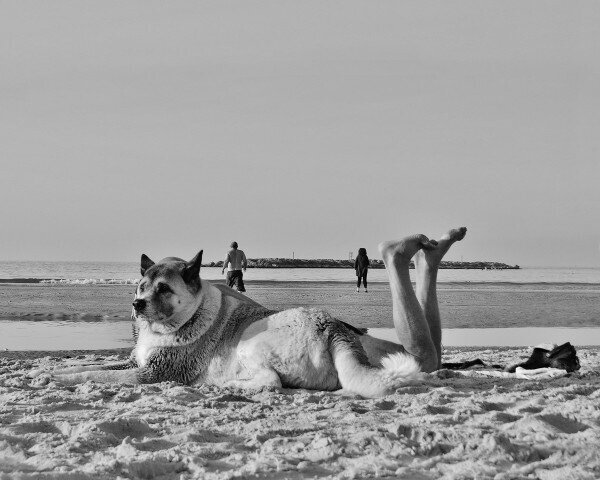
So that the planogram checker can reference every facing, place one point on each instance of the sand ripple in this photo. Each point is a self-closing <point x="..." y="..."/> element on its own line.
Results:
<point x="456" y="427"/>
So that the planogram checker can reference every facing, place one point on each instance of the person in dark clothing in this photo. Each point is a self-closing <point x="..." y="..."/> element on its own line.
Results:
<point x="361" y="265"/>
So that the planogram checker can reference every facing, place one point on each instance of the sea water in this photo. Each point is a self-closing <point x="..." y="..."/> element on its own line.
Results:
<point x="129" y="273"/>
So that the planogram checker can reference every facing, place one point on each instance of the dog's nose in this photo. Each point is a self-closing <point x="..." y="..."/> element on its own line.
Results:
<point x="139" y="304"/>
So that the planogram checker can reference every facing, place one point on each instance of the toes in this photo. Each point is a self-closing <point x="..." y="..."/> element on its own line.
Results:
<point x="455" y="235"/>
<point x="407" y="247"/>
<point x="460" y="233"/>
<point x="422" y="241"/>
<point x="429" y="244"/>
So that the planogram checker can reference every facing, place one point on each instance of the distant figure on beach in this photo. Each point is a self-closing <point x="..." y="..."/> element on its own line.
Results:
<point x="235" y="262"/>
<point x="361" y="265"/>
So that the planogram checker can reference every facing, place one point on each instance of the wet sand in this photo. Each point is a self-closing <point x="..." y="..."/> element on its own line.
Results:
<point x="461" y="305"/>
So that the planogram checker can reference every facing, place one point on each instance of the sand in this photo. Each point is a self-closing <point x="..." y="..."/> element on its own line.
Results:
<point x="461" y="305"/>
<point x="452" y="427"/>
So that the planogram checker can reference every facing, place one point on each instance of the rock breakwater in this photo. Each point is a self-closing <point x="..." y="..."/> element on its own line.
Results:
<point x="331" y="263"/>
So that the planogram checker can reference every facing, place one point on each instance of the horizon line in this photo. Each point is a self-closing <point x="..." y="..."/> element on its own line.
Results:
<point x="289" y="258"/>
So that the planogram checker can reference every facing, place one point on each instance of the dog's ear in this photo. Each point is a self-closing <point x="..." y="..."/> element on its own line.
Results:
<point x="145" y="264"/>
<point x="191" y="271"/>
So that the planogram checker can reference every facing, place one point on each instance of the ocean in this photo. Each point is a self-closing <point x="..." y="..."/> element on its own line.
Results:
<point x="128" y="273"/>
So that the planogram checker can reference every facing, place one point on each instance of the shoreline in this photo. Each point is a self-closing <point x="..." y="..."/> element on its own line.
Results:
<point x="442" y="284"/>
<point x="482" y="305"/>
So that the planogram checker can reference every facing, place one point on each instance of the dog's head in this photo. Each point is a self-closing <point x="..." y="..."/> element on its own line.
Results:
<point x="168" y="292"/>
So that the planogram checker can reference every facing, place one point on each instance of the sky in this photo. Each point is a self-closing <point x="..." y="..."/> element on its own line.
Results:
<point x="305" y="128"/>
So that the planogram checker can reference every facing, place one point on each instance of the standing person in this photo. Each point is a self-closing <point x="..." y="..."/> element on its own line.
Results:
<point x="361" y="265"/>
<point x="235" y="262"/>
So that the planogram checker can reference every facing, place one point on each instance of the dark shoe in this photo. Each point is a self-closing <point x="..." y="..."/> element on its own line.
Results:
<point x="563" y="357"/>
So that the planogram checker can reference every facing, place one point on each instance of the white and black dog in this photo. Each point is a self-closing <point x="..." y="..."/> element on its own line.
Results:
<point x="191" y="331"/>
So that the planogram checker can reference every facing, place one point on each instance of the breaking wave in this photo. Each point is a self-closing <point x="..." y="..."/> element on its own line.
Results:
<point x="60" y="318"/>
<point x="92" y="281"/>
<point x="74" y="281"/>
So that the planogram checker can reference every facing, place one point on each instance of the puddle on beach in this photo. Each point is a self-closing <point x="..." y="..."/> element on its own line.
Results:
<point x="80" y="335"/>
<point x="507" y="337"/>
<point x="64" y="335"/>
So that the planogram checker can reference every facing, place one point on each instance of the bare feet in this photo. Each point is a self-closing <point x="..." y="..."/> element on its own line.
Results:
<point x="433" y="257"/>
<point x="403" y="250"/>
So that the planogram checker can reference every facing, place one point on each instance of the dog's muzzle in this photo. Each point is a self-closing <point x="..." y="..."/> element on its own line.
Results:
<point x="139" y="304"/>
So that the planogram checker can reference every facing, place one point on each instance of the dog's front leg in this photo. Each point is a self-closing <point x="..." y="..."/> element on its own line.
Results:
<point x="82" y="368"/>
<point x="100" y="376"/>
<point x="130" y="375"/>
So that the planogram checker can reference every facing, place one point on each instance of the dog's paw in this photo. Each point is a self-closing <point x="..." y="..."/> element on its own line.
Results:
<point x="36" y="372"/>
<point x="266" y="389"/>
<point x="41" y="380"/>
<point x="70" y="378"/>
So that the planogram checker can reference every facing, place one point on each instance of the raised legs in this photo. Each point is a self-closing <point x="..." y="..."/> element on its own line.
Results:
<point x="416" y="316"/>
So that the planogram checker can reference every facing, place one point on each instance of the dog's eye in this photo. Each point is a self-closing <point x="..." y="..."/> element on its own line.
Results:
<point x="163" y="288"/>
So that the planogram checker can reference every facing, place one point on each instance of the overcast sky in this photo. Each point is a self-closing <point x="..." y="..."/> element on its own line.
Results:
<point x="313" y="127"/>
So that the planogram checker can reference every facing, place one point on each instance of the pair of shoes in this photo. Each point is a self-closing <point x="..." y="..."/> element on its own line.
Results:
<point x="357" y="290"/>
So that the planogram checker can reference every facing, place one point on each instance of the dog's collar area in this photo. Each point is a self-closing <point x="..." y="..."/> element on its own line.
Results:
<point x="193" y="318"/>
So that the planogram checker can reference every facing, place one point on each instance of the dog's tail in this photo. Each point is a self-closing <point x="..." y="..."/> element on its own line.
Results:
<point x="356" y="375"/>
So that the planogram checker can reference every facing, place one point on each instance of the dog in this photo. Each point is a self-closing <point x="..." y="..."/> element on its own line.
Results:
<point x="190" y="331"/>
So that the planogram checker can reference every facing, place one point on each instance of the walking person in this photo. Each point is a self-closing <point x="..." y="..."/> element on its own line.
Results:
<point x="361" y="265"/>
<point x="235" y="262"/>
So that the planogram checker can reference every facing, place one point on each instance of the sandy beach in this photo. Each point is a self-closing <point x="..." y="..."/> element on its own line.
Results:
<point x="453" y="426"/>
<point x="456" y="425"/>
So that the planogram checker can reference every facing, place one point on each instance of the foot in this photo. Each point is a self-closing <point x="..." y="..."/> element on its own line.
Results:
<point x="403" y="250"/>
<point x="366" y="291"/>
<point x="433" y="257"/>
<point x="357" y="290"/>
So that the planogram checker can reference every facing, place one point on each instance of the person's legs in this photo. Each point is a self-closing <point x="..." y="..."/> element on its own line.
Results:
<point x="365" y="280"/>
<point x="409" y="320"/>
<point x="230" y="279"/>
<point x="240" y="281"/>
<point x="427" y="263"/>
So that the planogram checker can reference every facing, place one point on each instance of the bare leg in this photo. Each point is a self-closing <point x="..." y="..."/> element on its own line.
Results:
<point x="409" y="319"/>
<point x="427" y="263"/>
